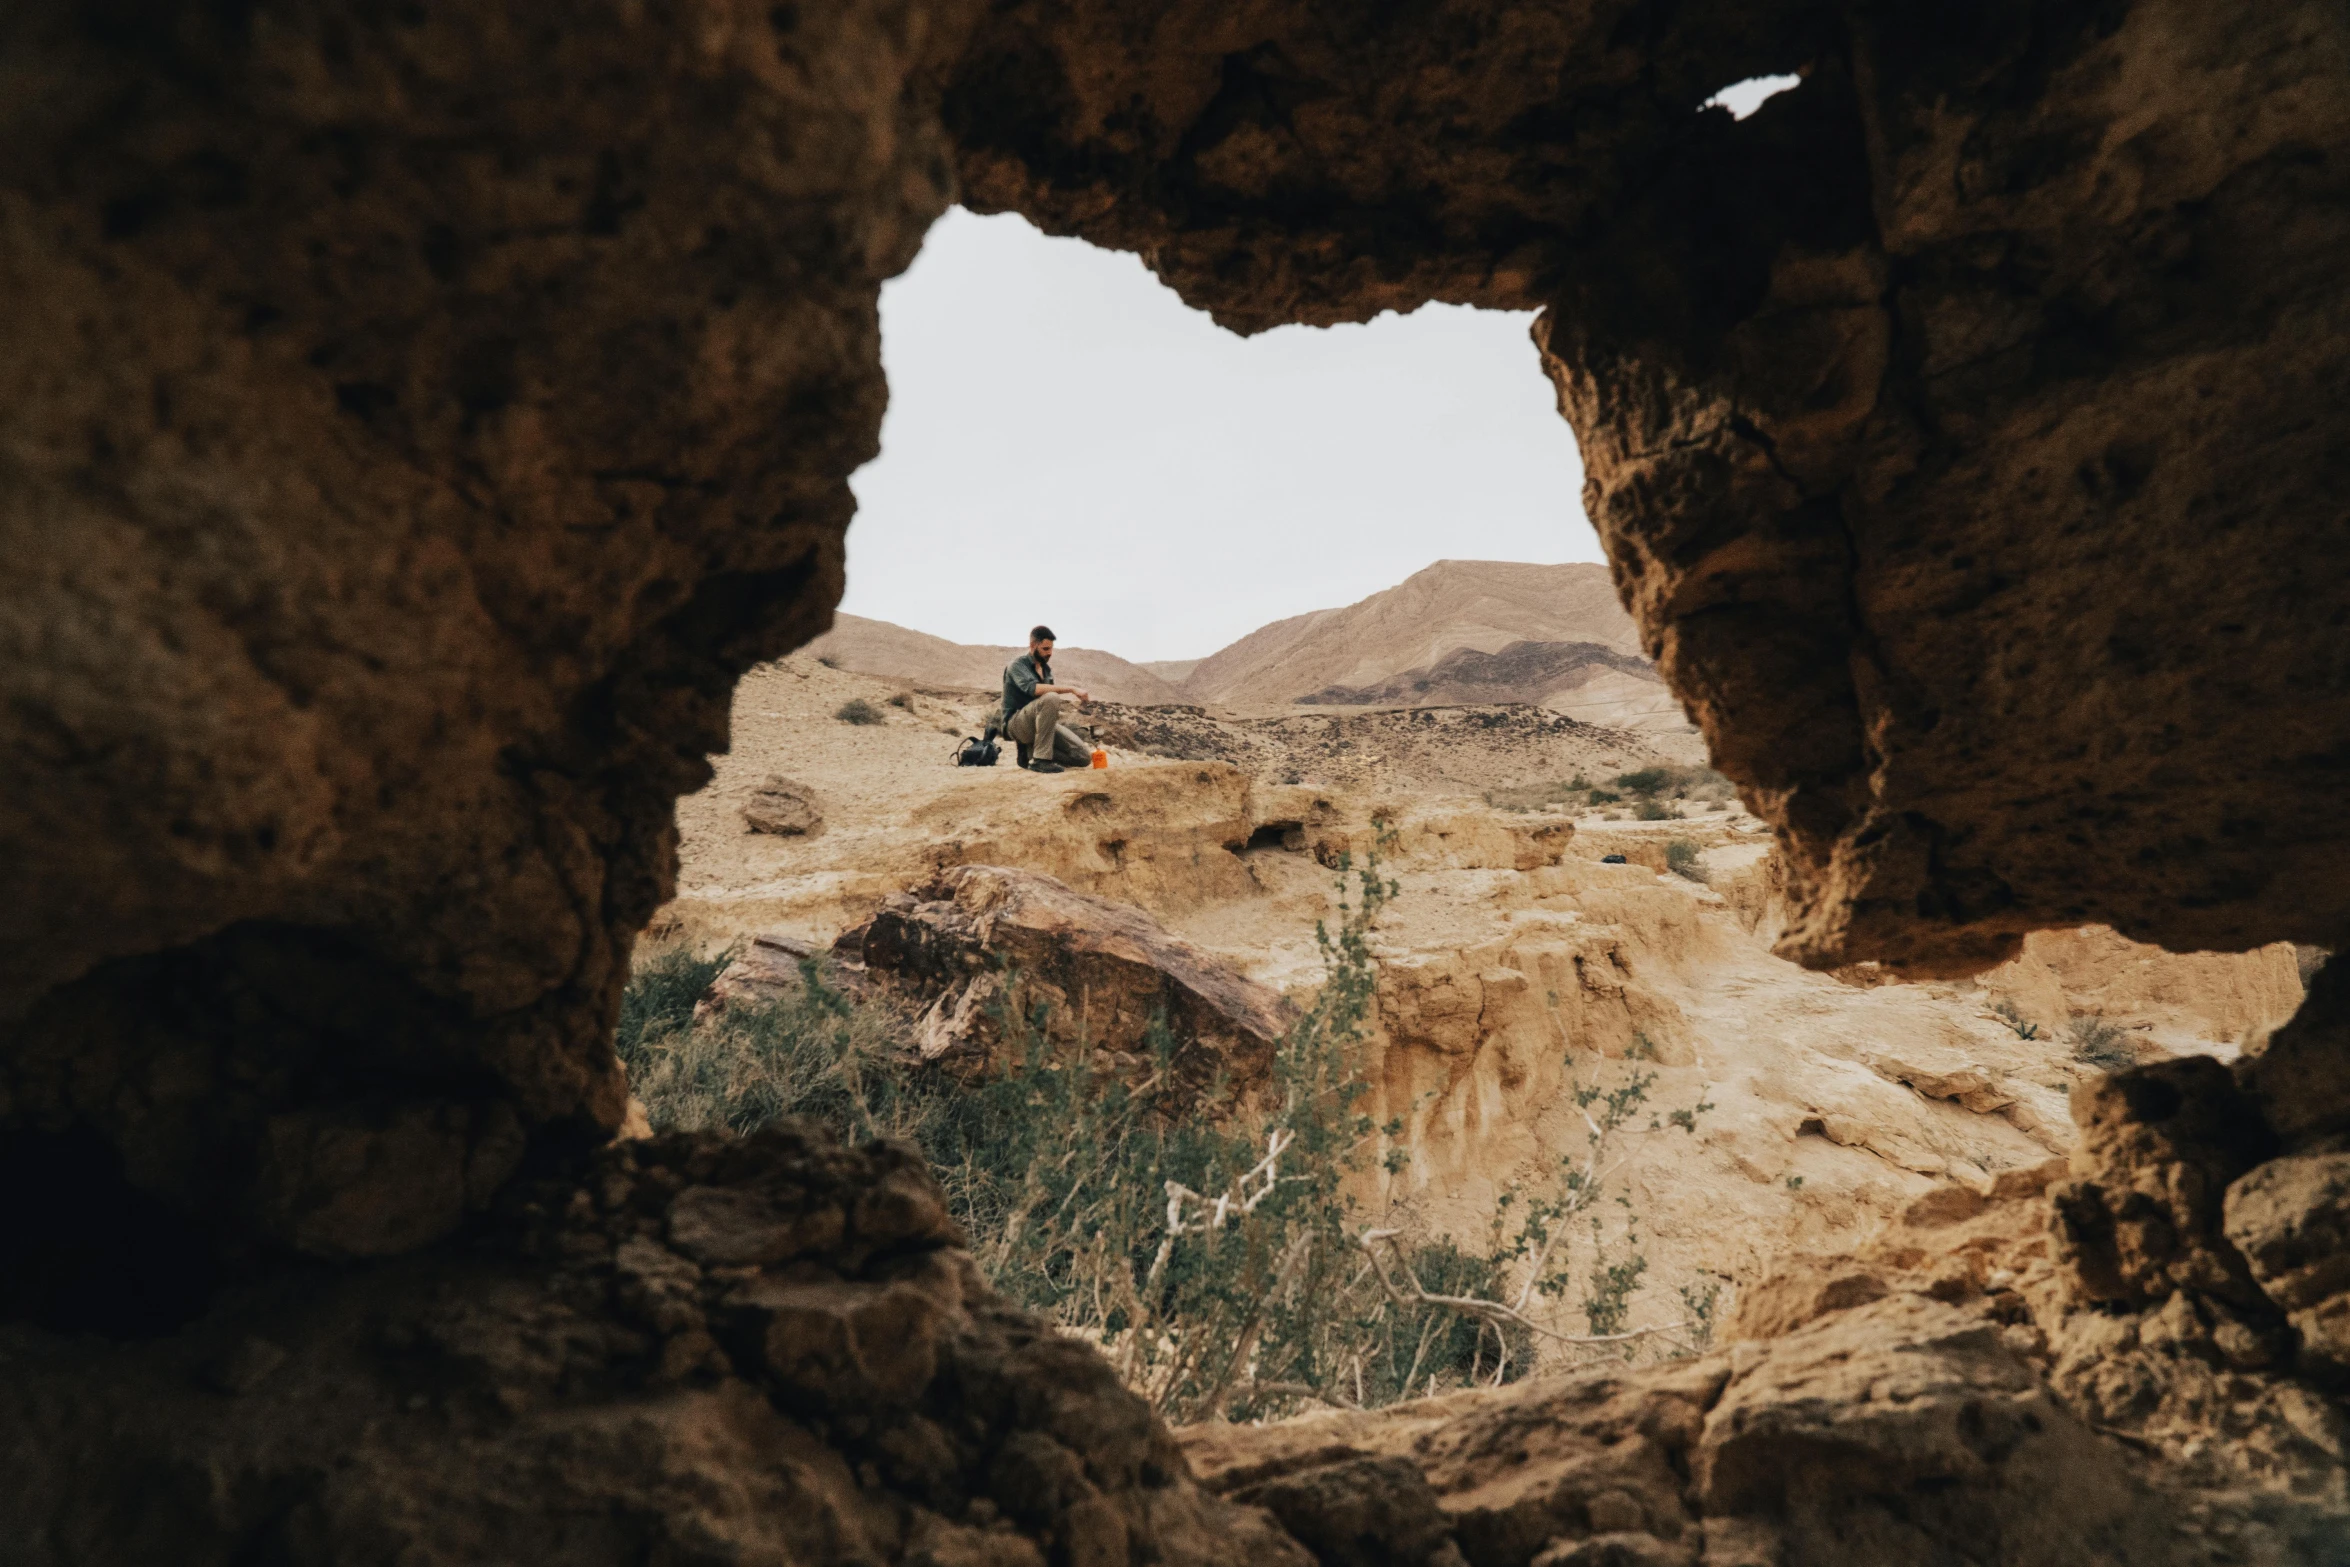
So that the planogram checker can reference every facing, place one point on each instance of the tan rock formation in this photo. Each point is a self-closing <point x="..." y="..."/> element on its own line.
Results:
<point x="985" y="942"/>
<point x="1515" y="967"/>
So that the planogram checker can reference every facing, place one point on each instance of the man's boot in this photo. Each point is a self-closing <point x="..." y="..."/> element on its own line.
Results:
<point x="1023" y="752"/>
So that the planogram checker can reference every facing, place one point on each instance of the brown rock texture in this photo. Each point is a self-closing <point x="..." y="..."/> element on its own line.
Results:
<point x="987" y="943"/>
<point x="1901" y="1430"/>
<point x="712" y="1350"/>
<point x="783" y="806"/>
<point x="412" y="431"/>
<point x="1964" y="426"/>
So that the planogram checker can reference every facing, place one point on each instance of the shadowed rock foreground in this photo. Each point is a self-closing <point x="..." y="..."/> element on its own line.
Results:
<point x="416" y="419"/>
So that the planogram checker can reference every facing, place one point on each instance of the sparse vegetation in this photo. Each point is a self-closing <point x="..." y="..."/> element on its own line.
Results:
<point x="2007" y="1012"/>
<point x="1212" y="1250"/>
<point x="1652" y="809"/>
<point x="2100" y="1044"/>
<point x="903" y="700"/>
<point x="1668" y="782"/>
<point x="1681" y="858"/>
<point x="1702" y="1302"/>
<point x="1602" y="796"/>
<point x="1647" y="783"/>
<point x="856" y="710"/>
<point x="1535" y="797"/>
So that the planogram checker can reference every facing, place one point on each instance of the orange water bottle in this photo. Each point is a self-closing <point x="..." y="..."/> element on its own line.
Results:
<point x="1101" y="758"/>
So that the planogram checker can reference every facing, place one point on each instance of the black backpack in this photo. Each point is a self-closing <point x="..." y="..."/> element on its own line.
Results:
<point x="978" y="750"/>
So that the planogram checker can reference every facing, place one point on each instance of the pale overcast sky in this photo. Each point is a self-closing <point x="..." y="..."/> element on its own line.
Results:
<point x="1069" y="442"/>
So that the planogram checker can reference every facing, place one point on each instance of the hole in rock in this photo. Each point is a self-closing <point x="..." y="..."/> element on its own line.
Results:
<point x="84" y="1251"/>
<point x="1743" y="98"/>
<point x="1068" y="441"/>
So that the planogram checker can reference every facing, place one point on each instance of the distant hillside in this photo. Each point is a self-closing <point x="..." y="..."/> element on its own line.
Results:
<point x="1460" y="631"/>
<point x="1583" y="679"/>
<point x="875" y="647"/>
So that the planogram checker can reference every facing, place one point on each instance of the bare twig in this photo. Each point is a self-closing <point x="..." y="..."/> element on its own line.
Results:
<point x="1477" y="1306"/>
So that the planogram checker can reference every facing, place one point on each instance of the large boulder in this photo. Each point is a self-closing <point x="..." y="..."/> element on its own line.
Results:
<point x="783" y="806"/>
<point x="985" y="948"/>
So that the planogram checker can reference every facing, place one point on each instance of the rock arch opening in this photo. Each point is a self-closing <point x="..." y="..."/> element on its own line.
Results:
<point x="417" y="420"/>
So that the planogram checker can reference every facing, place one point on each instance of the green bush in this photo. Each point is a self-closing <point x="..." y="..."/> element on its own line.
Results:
<point x="856" y="710"/>
<point x="1669" y="781"/>
<point x="1651" y="809"/>
<point x="1681" y="859"/>
<point x="1603" y="797"/>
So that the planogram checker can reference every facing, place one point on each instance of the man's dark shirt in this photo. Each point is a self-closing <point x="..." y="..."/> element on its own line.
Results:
<point x="1021" y="678"/>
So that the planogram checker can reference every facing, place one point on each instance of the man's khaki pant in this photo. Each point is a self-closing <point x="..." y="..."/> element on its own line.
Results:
<point x="1038" y="727"/>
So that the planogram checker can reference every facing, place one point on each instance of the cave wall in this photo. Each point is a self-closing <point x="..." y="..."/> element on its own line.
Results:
<point x="1966" y="427"/>
<point x="416" y="418"/>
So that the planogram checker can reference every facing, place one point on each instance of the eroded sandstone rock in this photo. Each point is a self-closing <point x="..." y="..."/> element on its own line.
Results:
<point x="769" y="1349"/>
<point x="784" y="807"/>
<point x="1900" y="1430"/>
<point x="986" y="944"/>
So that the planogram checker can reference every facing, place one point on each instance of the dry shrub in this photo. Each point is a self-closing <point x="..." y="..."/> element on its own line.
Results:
<point x="1061" y="1169"/>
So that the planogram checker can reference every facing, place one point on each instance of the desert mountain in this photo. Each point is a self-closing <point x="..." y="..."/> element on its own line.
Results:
<point x="1586" y="680"/>
<point x="1460" y="631"/>
<point x="875" y="647"/>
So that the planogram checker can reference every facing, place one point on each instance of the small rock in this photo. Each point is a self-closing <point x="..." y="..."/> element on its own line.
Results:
<point x="783" y="806"/>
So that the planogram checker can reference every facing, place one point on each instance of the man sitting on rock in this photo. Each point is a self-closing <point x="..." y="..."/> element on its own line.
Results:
<point x="1032" y="708"/>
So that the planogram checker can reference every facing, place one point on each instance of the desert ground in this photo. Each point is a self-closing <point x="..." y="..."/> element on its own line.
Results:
<point x="1528" y="951"/>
